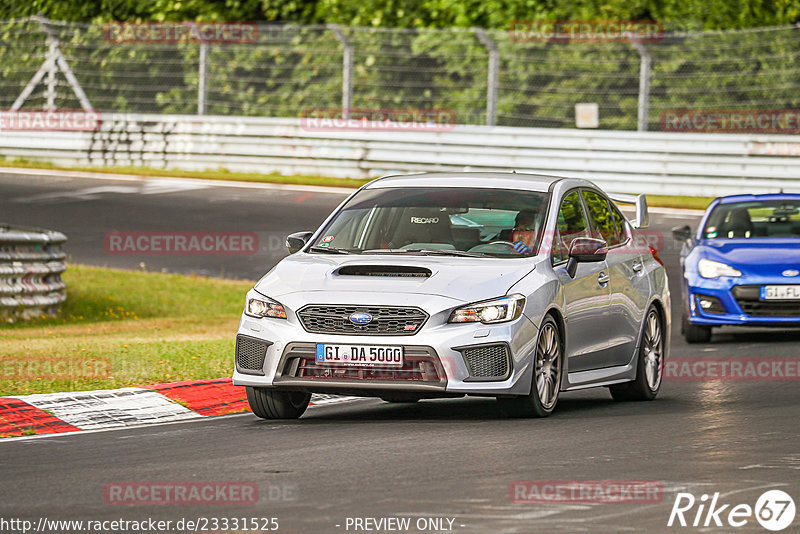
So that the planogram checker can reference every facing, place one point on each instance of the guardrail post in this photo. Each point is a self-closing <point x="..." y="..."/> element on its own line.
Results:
<point x="347" y="69"/>
<point x="202" y="79"/>
<point x="31" y="263"/>
<point x="493" y="75"/>
<point x="644" y="83"/>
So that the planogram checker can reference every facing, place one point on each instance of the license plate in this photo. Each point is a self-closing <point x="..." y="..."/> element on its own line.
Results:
<point x="360" y="355"/>
<point x="780" y="292"/>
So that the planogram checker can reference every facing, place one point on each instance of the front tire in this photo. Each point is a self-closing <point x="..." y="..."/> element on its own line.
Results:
<point x="694" y="333"/>
<point x="546" y="383"/>
<point x="277" y="404"/>
<point x="649" y="363"/>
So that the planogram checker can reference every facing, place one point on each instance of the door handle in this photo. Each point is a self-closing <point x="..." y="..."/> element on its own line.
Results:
<point x="637" y="267"/>
<point x="603" y="278"/>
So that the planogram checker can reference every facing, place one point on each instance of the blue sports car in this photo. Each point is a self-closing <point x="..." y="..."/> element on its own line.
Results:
<point x="742" y="266"/>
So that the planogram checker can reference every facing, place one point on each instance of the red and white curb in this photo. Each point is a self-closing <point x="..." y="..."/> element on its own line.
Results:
<point x="51" y="413"/>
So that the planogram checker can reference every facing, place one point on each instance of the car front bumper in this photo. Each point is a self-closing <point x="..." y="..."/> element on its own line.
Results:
<point x="441" y="359"/>
<point x="740" y="303"/>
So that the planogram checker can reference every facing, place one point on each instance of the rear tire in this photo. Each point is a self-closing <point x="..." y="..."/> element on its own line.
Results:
<point x="649" y="363"/>
<point x="546" y="382"/>
<point x="277" y="404"/>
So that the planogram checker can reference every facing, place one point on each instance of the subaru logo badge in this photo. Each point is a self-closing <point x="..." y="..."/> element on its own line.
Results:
<point x="360" y="318"/>
<point x="790" y="272"/>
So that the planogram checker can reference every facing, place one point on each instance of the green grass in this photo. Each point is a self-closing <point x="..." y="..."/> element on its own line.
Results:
<point x="123" y="328"/>
<point x="691" y="203"/>
<point x="664" y="201"/>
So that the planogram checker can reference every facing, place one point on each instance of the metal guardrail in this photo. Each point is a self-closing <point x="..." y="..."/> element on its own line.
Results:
<point x="31" y="263"/>
<point x="620" y="161"/>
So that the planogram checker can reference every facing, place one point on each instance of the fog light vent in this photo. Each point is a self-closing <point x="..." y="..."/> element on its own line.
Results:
<point x="709" y="304"/>
<point x="250" y="354"/>
<point x="487" y="362"/>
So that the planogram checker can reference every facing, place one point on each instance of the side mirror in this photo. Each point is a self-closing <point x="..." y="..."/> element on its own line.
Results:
<point x="585" y="250"/>
<point x="297" y="240"/>
<point x="682" y="233"/>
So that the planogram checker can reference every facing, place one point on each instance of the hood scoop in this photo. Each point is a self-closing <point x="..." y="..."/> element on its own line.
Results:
<point x="402" y="271"/>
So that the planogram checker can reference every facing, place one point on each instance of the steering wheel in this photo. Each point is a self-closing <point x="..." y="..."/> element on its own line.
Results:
<point x="506" y="243"/>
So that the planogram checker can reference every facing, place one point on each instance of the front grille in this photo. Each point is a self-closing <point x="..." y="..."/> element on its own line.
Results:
<point x="487" y="362"/>
<point x="250" y="354"/>
<point x="749" y="299"/>
<point x="420" y="365"/>
<point x="386" y="321"/>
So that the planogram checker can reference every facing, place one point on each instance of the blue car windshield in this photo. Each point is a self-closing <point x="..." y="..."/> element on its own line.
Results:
<point x="754" y="220"/>
<point x="454" y="221"/>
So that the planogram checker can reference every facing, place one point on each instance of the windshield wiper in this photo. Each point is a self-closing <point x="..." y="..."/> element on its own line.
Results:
<point x="446" y="252"/>
<point x="426" y="252"/>
<point x="329" y="250"/>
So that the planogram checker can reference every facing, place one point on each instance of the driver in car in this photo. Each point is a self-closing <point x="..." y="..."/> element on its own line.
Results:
<point x="523" y="235"/>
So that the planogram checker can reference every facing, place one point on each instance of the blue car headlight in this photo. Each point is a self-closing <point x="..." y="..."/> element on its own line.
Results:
<point x="714" y="269"/>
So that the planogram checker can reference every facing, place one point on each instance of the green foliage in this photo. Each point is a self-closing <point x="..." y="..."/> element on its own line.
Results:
<point x="689" y="14"/>
<point x="295" y="68"/>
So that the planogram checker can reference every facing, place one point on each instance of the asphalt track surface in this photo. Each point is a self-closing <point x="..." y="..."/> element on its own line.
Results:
<point x="451" y="459"/>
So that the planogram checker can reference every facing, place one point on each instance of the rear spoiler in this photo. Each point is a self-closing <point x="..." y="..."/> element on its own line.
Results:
<point x="640" y="201"/>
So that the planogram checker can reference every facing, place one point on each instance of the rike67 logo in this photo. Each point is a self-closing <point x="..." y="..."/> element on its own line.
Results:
<point x="774" y="510"/>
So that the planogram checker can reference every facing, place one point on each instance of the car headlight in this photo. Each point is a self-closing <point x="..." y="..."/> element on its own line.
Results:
<point x="490" y="311"/>
<point x="262" y="307"/>
<point x="715" y="269"/>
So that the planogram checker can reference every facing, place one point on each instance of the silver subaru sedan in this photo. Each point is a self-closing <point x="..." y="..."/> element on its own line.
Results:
<point x="506" y="285"/>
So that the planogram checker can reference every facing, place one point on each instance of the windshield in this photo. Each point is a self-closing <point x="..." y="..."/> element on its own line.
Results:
<point x="444" y="221"/>
<point x="753" y="220"/>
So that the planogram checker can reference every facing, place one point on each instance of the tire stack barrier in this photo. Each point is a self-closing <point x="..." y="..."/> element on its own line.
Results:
<point x="31" y="263"/>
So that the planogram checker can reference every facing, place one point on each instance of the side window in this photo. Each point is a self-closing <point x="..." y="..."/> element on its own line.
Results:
<point x="571" y="224"/>
<point x="602" y="219"/>
<point x="623" y="230"/>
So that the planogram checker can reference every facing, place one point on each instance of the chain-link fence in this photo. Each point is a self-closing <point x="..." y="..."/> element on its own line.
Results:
<point x="482" y="77"/>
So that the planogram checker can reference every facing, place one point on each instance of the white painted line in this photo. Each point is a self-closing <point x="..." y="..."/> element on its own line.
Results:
<point x="90" y="410"/>
<point x="199" y="183"/>
<point x="116" y="428"/>
<point x="196" y="182"/>
<point x="323" y="400"/>
<point x="677" y="212"/>
<point x="117" y="409"/>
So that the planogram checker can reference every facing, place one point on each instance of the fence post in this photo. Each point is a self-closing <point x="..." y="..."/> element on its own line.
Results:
<point x="494" y="70"/>
<point x="644" y="83"/>
<point x="347" y="69"/>
<point x="52" y="69"/>
<point x="54" y="61"/>
<point x="202" y="79"/>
